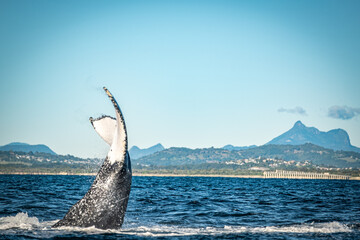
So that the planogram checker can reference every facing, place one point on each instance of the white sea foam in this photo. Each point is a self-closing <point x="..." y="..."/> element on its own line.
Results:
<point x="23" y="222"/>
<point x="330" y="227"/>
<point x="163" y="231"/>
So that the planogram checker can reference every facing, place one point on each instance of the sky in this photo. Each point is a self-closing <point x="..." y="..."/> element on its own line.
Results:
<point x="185" y="73"/>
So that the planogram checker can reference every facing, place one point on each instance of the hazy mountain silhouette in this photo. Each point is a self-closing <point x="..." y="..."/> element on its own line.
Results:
<point x="337" y="139"/>
<point x="136" y="152"/>
<point x="24" y="147"/>
<point x="235" y="148"/>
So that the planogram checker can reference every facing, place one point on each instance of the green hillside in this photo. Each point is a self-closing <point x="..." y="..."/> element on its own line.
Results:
<point x="299" y="153"/>
<point x="45" y="162"/>
<point x="251" y="161"/>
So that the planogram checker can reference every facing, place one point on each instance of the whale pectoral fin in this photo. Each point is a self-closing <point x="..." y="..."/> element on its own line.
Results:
<point x="105" y="126"/>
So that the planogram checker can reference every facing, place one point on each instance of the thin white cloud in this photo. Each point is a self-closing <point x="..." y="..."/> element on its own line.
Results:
<point x="296" y="110"/>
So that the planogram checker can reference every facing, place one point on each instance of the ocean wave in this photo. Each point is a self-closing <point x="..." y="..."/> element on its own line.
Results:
<point x="22" y="221"/>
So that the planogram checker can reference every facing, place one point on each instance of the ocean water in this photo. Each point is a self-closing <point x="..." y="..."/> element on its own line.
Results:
<point x="188" y="208"/>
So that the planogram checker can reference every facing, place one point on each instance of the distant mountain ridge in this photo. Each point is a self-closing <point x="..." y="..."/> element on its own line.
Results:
<point x="336" y="139"/>
<point x="186" y="161"/>
<point x="299" y="153"/>
<point x="235" y="148"/>
<point x="25" y="147"/>
<point x="136" y="152"/>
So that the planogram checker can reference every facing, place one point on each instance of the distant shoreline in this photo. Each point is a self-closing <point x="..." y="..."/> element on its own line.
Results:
<point x="153" y="175"/>
<point x="135" y="174"/>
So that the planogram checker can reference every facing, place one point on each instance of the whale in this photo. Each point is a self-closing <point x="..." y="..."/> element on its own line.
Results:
<point x="105" y="203"/>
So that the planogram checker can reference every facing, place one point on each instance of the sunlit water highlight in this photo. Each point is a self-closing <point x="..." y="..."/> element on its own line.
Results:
<point x="188" y="208"/>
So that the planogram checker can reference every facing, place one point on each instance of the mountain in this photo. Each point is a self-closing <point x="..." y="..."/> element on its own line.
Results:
<point x="39" y="162"/>
<point x="337" y="139"/>
<point x="136" y="152"/>
<point x="24" y="147"/>
<point x="234" y="148"/>
<point x="298" y="153"/>
<point x="197" y="161"/>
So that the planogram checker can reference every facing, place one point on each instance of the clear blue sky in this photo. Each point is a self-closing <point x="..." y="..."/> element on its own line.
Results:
<point x="185" y="73"/>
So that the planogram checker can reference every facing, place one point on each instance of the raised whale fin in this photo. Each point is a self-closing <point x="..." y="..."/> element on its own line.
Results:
<point x="113" y="131"/>
<point x="105" y="126"/>
<point x="119" y="145"/>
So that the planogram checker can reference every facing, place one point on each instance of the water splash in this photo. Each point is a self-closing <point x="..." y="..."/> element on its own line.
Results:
<point x="21" y="220"/>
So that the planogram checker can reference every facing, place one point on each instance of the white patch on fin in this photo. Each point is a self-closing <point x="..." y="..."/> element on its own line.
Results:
<point x="105" y="126"/>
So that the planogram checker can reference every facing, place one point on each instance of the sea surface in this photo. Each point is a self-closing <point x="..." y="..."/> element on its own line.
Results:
<point x="188" y="208"/>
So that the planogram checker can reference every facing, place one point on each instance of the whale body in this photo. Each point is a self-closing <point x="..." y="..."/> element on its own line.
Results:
<point x="104" y="205"/>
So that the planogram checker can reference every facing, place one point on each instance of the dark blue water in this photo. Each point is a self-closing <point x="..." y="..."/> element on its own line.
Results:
<point x="188" y="208"/>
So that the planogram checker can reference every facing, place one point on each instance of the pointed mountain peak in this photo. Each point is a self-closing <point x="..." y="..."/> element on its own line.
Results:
<point x="134" y="148"/>
<point x="159" y="145"/>
<point x="299" y="124"/>
<point x="136" y="152"/>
